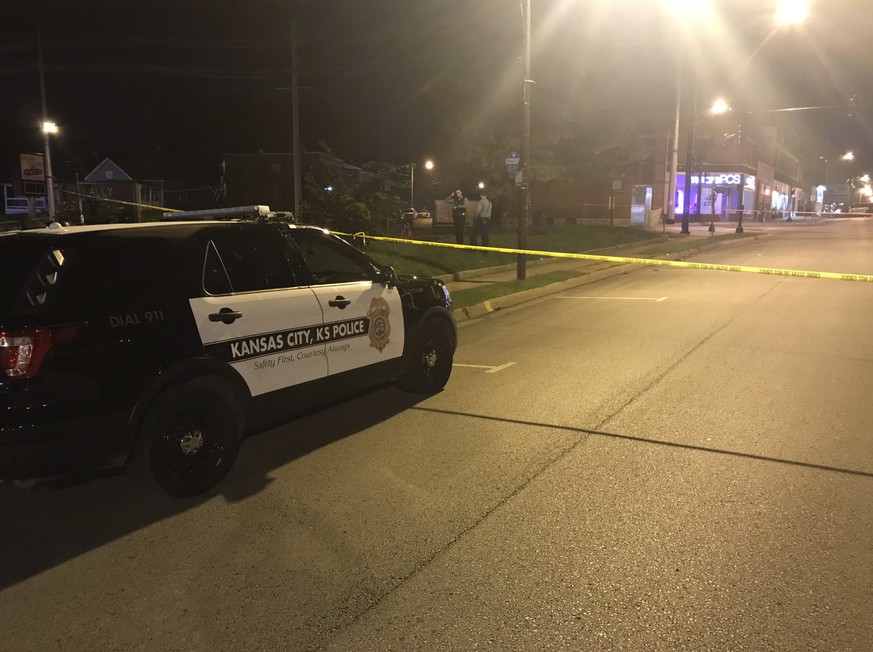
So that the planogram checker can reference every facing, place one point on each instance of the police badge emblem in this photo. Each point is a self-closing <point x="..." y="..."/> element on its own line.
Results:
<point x="380" y="328"/>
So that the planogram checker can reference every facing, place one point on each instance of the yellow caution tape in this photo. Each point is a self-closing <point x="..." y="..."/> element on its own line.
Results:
<point x="120" y="201"/>
<point x="682" y="264"/>
<point x="771" y="271"/>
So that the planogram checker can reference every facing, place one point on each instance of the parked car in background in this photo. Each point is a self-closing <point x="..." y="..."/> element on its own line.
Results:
<point x="861" y="208"/>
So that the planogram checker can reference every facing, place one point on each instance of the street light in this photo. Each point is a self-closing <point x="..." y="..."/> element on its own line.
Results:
<point x="695" y="12"/>
<point x="790" y="13"/>
<point x="428" y="165"/>
<point x="527" y="82"/>
<point x="49" y="128"/>
<point x="719" y="106"/>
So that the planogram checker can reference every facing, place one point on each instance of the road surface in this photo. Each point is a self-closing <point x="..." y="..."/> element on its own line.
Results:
<point x="662" y="460"/>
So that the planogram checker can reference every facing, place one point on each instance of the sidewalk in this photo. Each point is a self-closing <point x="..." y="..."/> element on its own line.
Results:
<point x="595" y="270"/>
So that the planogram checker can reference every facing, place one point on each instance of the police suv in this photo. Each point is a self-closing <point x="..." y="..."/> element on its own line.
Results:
<point x="159" y="344"/>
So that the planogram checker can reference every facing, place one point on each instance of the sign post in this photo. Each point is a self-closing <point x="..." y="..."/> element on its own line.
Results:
<point x="616" y="185"/>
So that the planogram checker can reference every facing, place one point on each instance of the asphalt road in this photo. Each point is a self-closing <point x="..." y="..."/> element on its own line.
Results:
<point x="661" y="460"/>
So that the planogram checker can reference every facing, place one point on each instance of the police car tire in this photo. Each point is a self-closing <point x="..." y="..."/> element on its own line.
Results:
<point x="429" y="361"/>
<point x="189" y="440"/>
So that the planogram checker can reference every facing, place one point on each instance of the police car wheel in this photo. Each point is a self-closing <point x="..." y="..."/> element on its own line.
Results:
<point x="189" y="440"/>
<point x="430" y="359"/>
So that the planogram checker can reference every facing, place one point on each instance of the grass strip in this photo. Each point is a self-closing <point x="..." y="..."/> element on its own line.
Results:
<point x="472" y="296"/>
<point x="437" y="261"/>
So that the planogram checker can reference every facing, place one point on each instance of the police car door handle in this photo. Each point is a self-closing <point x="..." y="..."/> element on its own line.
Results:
<point x="340" y="302"/>
<point x="225" y="315"/>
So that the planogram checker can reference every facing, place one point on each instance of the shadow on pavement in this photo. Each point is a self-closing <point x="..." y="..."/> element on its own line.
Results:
<point x="51" y="524"/>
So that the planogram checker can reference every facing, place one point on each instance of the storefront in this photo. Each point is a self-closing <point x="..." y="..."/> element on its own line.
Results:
<point x="716" y="195"/>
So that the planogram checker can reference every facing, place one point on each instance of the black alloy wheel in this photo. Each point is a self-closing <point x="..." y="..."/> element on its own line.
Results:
<point x="429" y="364"/>
<point x="189" y="440"/>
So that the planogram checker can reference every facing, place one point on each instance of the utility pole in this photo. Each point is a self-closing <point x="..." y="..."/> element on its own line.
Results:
<point x="49" y="175"/>
<point x="412" y="188"/>
<point x="525" y="150"/>
<point x="297" y="151"/>
<point x="674" y="154"/>
<point x="689" y="158"/>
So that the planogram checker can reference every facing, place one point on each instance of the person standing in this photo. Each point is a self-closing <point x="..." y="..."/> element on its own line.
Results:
<point x="482" y="221"/>
<point x="459" y="214"/>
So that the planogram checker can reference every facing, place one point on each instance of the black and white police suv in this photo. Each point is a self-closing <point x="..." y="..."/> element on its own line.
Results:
<point x="160" y="344"/>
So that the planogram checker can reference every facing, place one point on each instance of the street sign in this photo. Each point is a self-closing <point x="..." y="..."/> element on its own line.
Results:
<point x="32" y="167"/>
<point x="512" y="162"/>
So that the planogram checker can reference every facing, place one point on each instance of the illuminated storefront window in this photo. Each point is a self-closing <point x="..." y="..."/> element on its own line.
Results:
<point x="715" y="193"/>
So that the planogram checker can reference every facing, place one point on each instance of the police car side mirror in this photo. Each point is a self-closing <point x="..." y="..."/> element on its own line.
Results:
<point x="387" y="276"/>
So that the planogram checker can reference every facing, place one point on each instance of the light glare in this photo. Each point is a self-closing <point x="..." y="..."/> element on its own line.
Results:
<point x="720" y="106"/>
<point x="792" y="12"/>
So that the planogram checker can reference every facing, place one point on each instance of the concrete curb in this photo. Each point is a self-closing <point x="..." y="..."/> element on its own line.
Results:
<point x="507" y="301"/>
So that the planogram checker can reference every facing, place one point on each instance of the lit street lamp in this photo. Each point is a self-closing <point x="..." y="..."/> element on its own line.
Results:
<point x="789" y="13"/>
<point x="428" y="165"/>
<point x="49" y="128"/>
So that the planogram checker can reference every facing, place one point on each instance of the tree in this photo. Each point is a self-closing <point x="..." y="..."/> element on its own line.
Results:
<point x="353" y="199"/>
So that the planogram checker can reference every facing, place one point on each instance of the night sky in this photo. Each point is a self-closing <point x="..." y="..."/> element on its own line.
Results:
<point x="165" y="88"/>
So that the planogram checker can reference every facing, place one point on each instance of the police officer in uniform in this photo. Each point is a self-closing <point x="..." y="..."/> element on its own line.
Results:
<point x="482" y="220"/>
<point x="459" y="214"/>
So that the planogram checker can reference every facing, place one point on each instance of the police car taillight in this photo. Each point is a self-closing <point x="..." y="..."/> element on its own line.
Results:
<point x="22" y="352"/>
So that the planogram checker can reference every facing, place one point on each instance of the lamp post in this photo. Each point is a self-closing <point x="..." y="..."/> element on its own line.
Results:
<point x="49" y="128"/>
<point x="521" y="269"/>
<point x="689" y="164"/>
<point x="789" y="13"/>
<point x="428" y="165"/>
<point x="412" y="187"/>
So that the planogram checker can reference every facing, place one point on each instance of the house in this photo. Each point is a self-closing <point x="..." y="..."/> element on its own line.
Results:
<point x="112" y="195"/>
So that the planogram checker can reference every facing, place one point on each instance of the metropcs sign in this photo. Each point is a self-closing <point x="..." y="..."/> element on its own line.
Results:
<point x="723" y="179"/>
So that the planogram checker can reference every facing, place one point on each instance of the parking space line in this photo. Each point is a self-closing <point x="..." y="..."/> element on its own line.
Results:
<point x="490" y="368"/>
<point x="494" y="370"/>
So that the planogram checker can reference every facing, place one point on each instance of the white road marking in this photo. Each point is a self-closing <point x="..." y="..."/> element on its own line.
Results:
<point x="619" y="298"/>
<point x="500" y="368"/>
<point x="491" y="369"/>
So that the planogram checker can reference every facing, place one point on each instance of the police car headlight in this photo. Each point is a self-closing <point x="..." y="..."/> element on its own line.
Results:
<point x="448" y="298"/>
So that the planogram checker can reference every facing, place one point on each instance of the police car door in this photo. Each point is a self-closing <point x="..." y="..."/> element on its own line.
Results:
<point x="363" y="319"/>
<point x="256" y="316"/>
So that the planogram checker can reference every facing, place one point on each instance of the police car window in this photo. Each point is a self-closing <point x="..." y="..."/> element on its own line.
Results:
<point x="329" y="263"/>
<point x="215" y="280"/>
<point x="255" y="261"/>
<point x="116" y="268"/>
